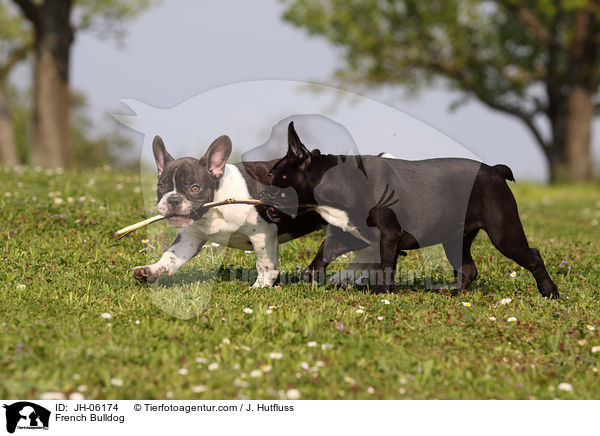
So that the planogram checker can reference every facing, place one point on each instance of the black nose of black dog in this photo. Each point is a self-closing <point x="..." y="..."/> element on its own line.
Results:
<point x="174" y="200"/>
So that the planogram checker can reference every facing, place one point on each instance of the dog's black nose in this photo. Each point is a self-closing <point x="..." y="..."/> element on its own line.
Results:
<point x="174" y="200"/>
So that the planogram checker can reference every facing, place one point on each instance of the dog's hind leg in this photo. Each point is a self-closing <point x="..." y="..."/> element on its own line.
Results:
<point x="506" y="233"/>
<point x="458" y="252"/>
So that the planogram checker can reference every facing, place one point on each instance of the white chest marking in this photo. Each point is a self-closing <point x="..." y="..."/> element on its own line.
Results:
<point x="339" y="218"/>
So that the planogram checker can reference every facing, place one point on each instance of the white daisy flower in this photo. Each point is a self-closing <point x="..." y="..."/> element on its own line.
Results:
<point x="492" y="318"/>
<point x="199" y="389"/>
<point x="319" y="363"/>
<point x="312" y="344"/>
<point x="371" y="390"/>
<point x="240" y="383"/>
<point x="245" y="347"/>
<point x="182" y="371"/>
<point x="269" y="311"/>
<point x="106" y="315"/>
<point x="305" y="366"/>
<point x="385" y="301"/>
<point x="591" y="327"/>
<point x="349" y="379"/>
<point x="567" y="387"/>
<point x="77" y="396"/>
<point x="272" y="307"/>
<point x="116" y="382"/>
<point x="201" y="360"/>
<point x="380" y="318"/>
<point x="145" y="241"/>
<point x="505" y="301"/>
<point x="466" y="304"/>
<point x="256" y="373"/>
<point x="225" y="341"/>
<point x="82" y="388"/>
<point x="248" y="310"/>
<point x="326" y="347"/>
<point x="511" y="319"/>
<point x="276" y="355"/>
<point x="266" y="368"/>
<point x="293" y="394"/>
<point x="214" y="244"/>
<point x="581" y="342"/>
<point x="21" y="286"/>
<point x="513" y="274"/>
<point x="596" y="349"/>
<point x="359" y="311"/>
<point x="213" y="366"/>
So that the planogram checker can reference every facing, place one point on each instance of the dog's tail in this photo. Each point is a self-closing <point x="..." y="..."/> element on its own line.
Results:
<point x="505" y="172"/>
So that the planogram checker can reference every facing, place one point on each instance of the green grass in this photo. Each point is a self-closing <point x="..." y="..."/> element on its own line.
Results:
<point x="428" y="345"/>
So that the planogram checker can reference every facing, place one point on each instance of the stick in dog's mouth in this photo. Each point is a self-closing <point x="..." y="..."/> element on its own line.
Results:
<point x="126" y="230"/>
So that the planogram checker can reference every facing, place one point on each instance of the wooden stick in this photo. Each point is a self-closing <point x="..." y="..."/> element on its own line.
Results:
<point x="126" y="230"/>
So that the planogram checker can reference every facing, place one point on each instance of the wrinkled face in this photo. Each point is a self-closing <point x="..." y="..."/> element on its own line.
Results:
<point x="186" y="184"/>
<point x="182" y="190"/>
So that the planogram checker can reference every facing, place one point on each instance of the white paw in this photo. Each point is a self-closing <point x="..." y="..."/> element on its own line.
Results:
<point x="266" y="280"/>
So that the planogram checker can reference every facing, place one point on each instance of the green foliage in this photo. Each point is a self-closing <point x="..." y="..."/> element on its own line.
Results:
<point x="92" y="147"/>
<point x="15" y="38"/>
<point x="56" y="239"/>
<point x="20" y="115"/>
<point x="498" y="51"/>
<point x="108" y="17"/>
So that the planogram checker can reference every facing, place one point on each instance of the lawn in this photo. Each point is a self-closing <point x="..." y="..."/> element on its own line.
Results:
<point x="61" y="270"/>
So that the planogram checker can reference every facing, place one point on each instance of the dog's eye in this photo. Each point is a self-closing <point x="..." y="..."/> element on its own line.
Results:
<point x="194" y="189"/>
<point x="162" y="187"/>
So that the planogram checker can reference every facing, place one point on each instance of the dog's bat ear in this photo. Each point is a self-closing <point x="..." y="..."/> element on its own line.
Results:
<point x="216" y="156"/>
<point x="161" y="156"/>
<point x="297" y="152"/>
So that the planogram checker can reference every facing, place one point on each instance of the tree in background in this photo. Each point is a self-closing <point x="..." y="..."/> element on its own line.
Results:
<point x="92" y="148"/>
<point x="55" y="24"/>
<point x="15" y="44"/>
<point x="536" y="60"/>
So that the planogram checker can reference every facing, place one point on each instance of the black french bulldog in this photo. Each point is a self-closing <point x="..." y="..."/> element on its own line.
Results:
<point x="395" y="205"/>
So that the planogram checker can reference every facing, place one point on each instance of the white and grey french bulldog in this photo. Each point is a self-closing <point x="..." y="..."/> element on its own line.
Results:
<point x="186" y="184"/>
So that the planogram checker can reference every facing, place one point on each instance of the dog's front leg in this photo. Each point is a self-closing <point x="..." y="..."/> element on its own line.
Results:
<point x="265" y="246"/>
<point x="354" y="272"/>
<point x="185" y="246"/>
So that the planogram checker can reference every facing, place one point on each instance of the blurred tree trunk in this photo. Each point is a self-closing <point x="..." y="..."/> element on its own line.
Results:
<point x="52" y="43"/>
<point x="580" y="112"/>
<point x="571" y="108"/>
<point x="8" y="148"/>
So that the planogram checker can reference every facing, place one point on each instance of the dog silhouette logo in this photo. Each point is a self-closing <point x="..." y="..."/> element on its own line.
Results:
<point x="26" y="415"/>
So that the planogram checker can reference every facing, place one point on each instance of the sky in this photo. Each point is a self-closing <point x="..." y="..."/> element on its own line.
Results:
<point x="183" y="48"/>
